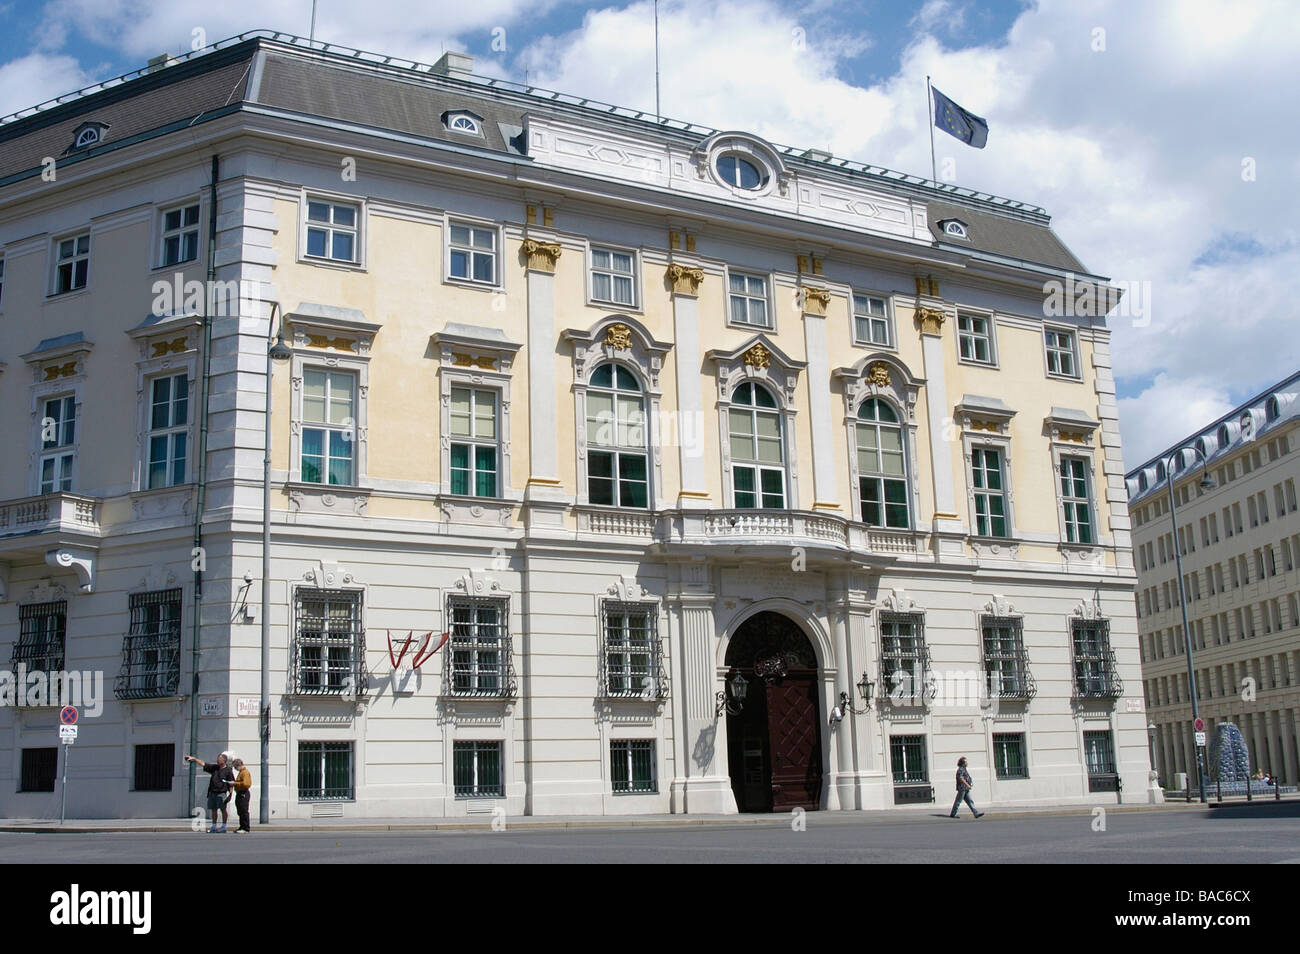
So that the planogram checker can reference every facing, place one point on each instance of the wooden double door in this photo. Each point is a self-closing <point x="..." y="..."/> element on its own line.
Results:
<point x="774" y="741"/>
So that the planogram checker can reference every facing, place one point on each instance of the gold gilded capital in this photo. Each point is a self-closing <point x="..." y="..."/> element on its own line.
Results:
<point x="931" y="321"/>
<point x="684" y="279"/>
<point x="816" y="301"/>
<point x="541" y="256"/>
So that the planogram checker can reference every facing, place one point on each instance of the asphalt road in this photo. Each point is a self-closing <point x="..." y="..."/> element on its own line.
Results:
<point x="1245" y="835"/>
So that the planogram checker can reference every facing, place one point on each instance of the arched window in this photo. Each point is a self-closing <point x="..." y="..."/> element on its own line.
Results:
<point x="616" y="439"/>
<point x="882" y="467"/>
<point x="740" y="172"/>
<point x="757" y="448"/>
<point x="1271" y="410"/>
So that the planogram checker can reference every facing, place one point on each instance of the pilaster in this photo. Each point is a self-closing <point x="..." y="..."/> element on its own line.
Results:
<point x="685" y="281"/>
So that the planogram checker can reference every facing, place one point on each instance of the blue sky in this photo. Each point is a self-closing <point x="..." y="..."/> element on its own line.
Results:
<point x="1150" y="131"/>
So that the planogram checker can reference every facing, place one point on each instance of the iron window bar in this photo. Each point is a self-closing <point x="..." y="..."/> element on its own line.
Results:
<point x="325" y="772"/>
<point x="632" y="663"/>
<point x="481" y="661"/>
<point x="907" y="760"/>
<point x="329" y="646"/>
<point x="632" y="766"/>
<point x="905" y="658"/>
<point x="151" y="650"/>
<point x="42" y="636"/>
<point x="1096" y="675"/>
<point x="1006" y="663"/>
<point x="477" y="770"/>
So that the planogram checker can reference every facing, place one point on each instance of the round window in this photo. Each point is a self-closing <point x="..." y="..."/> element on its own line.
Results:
<point x="739" y="172"/>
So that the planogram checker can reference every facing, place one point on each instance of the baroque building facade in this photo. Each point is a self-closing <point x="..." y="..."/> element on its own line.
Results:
<point x="738" y="477"/>
<point x="1234" y="522"/>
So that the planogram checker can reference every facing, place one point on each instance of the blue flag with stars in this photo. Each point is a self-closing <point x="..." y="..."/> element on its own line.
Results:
<point x="955" y="121"/>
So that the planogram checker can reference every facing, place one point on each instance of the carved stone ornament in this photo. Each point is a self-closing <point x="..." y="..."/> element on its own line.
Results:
<point x="816" y="301"/>
<point x="931" y="321"/>
<point x="1000" y="606"/>
<point x="618" y="337"/>
<point x="898" y="602"/>
<point x="1088" y="609"/>
<point x="47" y="591"/>
<point x="338" y="343"/>
<point x="758" y="357"/>
<point x="541" y="256"/>
<point x="878" y="374"/>
<point x="684" y="279"/>
<point x="326" y="574"/>
<point x="626" y="590"/>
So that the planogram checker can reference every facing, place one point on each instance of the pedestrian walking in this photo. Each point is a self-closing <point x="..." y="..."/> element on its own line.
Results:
<point x="218" y="785"/>
<point x="243" y="782"/>
<point x="964" y="785"/>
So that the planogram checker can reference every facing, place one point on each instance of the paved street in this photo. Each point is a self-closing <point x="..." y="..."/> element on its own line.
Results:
<point x="1239" y="834"/>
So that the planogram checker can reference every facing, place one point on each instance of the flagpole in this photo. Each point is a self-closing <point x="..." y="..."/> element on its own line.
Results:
<point x="657" y="116"/>
<point x="929" y="121"/>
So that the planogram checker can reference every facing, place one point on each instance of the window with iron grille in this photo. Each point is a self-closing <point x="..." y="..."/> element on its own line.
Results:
<point x="1009" y="755"/>
<point x="1006" y="665"/>
<point x="151" y="651"/>
<point x="1099" y="753"/>
<point x="1094" y="663"/>
<point x="329" y="647"/>
<point x="480" y="648"/>
<point x="632" y="766"/>
<point x="476" y="770"/>
<point x="154" y="767"/>
<point x="40" y="767"/>
<point x="907" y="758"/>
<point x="324" y="771"/>
<point x="42" y="629"/>
<point x="633" y="659"/>
<point x="904" y="660"/>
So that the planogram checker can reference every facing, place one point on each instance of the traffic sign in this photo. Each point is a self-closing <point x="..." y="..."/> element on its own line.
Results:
<point x="1200" y="738"/>
<point x="1199" y="724"/>
<point x="67" y="734"/>
<point x="68" y="715"/>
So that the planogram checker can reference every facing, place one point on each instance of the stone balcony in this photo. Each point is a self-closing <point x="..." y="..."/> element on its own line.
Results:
<point x="750" y="530"/>
<point x="63" y="529"/>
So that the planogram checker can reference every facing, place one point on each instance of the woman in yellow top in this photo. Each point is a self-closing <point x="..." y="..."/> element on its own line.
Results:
<point x="243" y="782"/>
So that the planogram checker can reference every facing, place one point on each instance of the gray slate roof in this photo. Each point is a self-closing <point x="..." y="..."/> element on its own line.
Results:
<point x="1001" y="235"/>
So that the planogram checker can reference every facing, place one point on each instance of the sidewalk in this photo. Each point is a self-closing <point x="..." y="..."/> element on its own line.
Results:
<point x="560" y="822"/>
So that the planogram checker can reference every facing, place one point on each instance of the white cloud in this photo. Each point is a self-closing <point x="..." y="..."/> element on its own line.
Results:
<point x="36" y="78"/>
<point x="1167" y="411"/>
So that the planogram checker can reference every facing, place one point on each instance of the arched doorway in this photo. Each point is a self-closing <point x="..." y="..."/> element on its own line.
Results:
<point x="774" y="748"/>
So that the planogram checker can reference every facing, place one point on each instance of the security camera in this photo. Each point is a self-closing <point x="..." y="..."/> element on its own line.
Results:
<point x="248" y="577"/>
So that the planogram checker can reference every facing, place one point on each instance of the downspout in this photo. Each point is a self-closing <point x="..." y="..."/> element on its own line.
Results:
<point x="198" y="558"/>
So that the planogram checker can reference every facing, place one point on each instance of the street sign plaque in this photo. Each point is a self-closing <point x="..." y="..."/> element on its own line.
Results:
<point x="67" y="734"/>
<point x="1200" y="738"/>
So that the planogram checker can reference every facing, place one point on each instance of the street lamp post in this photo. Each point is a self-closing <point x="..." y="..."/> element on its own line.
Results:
<point x="1151" y="744"/>
<point x="274" y="352"/>
<point x="1206" y="484"/>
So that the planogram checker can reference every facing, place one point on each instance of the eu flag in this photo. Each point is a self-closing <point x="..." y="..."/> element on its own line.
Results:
<point x="955" y="121"/>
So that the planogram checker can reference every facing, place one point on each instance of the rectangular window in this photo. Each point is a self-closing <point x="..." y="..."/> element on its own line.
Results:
<point x="975" y="338"/>
<point x="40" y="768"/>
<point x="617" y="474"/>
<point x="633" y="661"/>
<point x="71" y="264"/>
<point x="748" y="296"/>
<point x="1076" y="500"/>
<point x="1009" y="755"/>
<point x="480" y="648"/>
<point x="329" y="647"/>
<point x="42" y="632"/>
<point x="154" y="767"/>
<point x="990" y="498"/>
<point x="1006" y="665"/>
<point x="328" y="426"/>
<point x="613" y="276"/>
<point x="1061" y="356"/>
<point x="473" y="421"/>
<point x="871" y="322"/>
<point x="632" y="766"/>
<point x="58" y="435"/>
<point x="477" y="770"/>
<point x="180" y="235"/>
<point x="151" y="650"/>
<point x="472" y="251"/>
<point x="325" y="771"/>
<point x="1095" y="676"/>
<point x="1099" y="756"/>
<point x="907" y="759"/>
<point x="169" y="419"/>
<point x="332" y="231"/>
<point x="757" y="470"/>
<point x="904" y="661"/>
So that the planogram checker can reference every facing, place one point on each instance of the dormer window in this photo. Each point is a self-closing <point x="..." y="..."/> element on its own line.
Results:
<point x="463" y="121"/>
<point x="88" y="134"/>
<point x="954" y="228"/>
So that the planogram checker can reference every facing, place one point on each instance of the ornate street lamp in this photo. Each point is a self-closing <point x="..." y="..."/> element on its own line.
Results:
<point x="733" y="700"/>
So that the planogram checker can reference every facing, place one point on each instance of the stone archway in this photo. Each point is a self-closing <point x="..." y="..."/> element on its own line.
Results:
<point x="774" y="751"/>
